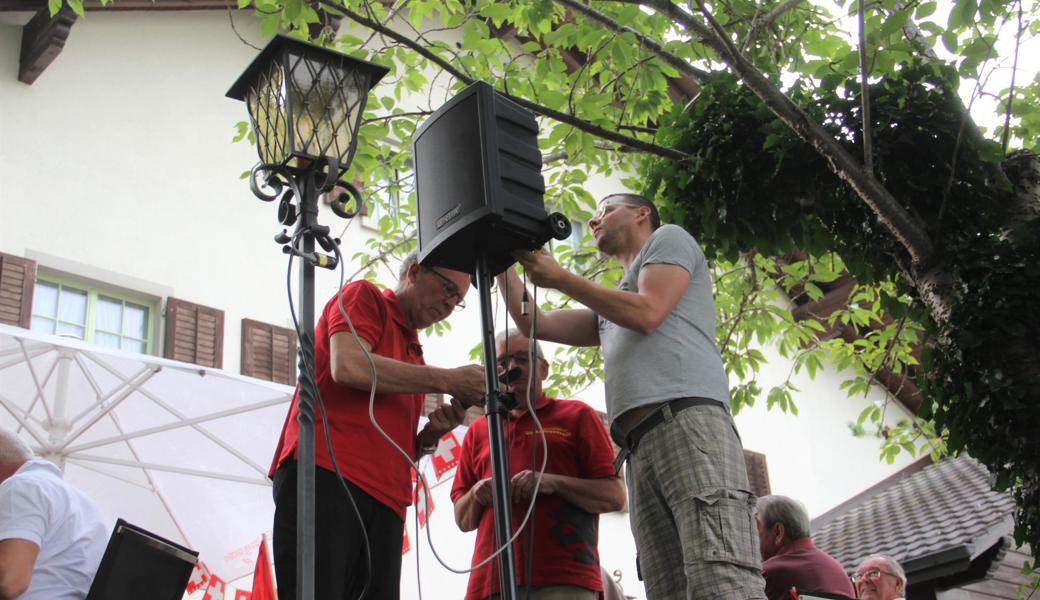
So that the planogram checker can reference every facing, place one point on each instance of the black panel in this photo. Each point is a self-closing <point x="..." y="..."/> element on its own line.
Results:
<point x="478" y="182"/>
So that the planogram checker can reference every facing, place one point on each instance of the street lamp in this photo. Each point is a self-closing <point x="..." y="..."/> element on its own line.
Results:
<point x="305" y="107"/>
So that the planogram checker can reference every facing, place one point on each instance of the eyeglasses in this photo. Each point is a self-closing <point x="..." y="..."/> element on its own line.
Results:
<point x="450" y="288"/>
<point x="520" y="358"/>
<point x="871" y="574"/>
<point x="602" y="211"/>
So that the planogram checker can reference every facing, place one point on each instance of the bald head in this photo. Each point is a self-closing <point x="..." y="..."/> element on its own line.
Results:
<point x="13" y="448"/>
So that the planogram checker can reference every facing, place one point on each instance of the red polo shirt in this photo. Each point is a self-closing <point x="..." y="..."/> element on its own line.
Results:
<point x="802" y="565"/>
<point x="565" y="537"/>
<point x="363" y="455"/>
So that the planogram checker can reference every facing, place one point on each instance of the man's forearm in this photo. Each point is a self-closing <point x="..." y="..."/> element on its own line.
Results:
<point x="625" y="309"/>
<point x="594" y="496"/>
<point x="468" y="511"/>
<point x="392" y="376"/>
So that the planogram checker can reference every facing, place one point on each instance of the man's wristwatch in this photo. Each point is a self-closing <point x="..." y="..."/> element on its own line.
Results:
<point x="427" y="449"/>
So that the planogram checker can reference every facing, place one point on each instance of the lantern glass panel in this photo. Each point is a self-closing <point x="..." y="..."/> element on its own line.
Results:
<point x="326" y="103"/>
<point x="268" y="110"/>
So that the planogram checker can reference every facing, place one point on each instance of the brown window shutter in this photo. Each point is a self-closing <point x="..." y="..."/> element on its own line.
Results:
<point x="17" y="280"/>
<point x="758" y="474"/>
<point x="268" y="352"/>
<point x="194" y="333"/>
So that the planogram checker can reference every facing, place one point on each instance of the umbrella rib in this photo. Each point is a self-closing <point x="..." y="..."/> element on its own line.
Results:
<point x="36" y="379"/>
<point x="132" y="384"/>
<point x="213" y="438"/>
<point x="178" y="424"/>
<point x="205" y="432"/>
<point x="155" y="485"/>
<point x="93" y="468"/>
<point x="89" y="376"/>
<point x="172" y="469"/>
<point x="21" y="417"/>
<point x="127" y="384"/>
<point x="25" y="355"/>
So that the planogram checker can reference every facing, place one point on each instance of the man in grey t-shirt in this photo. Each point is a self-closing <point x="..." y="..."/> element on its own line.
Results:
<point x="692" y="512"/>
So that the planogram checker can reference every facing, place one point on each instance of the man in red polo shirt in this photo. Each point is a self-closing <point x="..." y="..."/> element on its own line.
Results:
<point x="789" y="557"/>
<point x="557" y="554"/>
<point x="350" y="554"/>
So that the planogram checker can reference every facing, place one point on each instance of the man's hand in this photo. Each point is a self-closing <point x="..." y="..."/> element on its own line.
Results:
<point x="541" y="268"/>
<point x="482" y="492"/>
<point x="523" y="485"/>
<point x="442" y="420"/>
<point x="467" y="384"/>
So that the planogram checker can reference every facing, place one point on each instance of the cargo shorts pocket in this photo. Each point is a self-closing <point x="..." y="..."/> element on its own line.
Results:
<point x="722" y="529"/>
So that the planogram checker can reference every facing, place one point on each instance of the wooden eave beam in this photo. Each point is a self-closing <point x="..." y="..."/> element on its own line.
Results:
<point x="43" y="38"/>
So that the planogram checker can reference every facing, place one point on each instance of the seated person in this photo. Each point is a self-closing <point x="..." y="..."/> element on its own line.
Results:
<point x="52" y="535"/>
<point x="789" y="557"/>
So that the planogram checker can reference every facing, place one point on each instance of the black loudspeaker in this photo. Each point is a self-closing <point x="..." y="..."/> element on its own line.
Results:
<point x="478" y="183"/>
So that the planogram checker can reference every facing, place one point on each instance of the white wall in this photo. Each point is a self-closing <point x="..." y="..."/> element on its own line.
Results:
<point x="117" y="164"/>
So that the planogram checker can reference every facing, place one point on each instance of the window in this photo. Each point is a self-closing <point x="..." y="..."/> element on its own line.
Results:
<point x="98" y="316"/>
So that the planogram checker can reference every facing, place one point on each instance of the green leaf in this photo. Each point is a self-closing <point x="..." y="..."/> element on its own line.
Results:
<point x="54" y="6"/>
<point x="962" y="14"/>
<point x="269" y="25"/>
<point x="949" y="41"/>
<point x="925" y="9"/>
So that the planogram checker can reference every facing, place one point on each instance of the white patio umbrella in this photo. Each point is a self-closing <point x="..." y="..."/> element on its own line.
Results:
<point x="178" y="449"/>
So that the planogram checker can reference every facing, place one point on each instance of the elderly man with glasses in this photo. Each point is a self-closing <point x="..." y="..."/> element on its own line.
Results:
<point x="353" y="555"/>
<point x="692" y="511"/>
<point x="879" y="577"/>
<point x="557" y="556"/>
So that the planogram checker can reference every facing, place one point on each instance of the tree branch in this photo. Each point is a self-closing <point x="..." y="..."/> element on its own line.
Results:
<point x="894" y="217"/>
<point x="577" y="123"/>
<point x="767" y="20"/>
<point x="674" y="61"/>
<point x="864" y="89"/>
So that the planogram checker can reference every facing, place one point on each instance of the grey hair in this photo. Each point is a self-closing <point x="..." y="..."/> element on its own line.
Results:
<point x="13" y="448"/>
<point x="411" y="259"/>
<point x="893" y="566"/>
<point x="781" y="509"/>
<point x="655" y="217"/>
<point x="510" y="332"/>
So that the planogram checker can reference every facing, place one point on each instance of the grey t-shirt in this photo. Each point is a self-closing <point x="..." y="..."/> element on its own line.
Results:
<point x="680" y="359"/>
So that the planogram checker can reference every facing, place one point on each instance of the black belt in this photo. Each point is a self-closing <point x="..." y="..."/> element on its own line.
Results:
<point x="655" y="418"/>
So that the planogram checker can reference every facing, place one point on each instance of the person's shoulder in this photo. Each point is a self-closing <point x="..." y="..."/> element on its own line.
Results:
<point x="577" y="410"/>
<point x="363" y="286"/>
<point x="670" y="231"/>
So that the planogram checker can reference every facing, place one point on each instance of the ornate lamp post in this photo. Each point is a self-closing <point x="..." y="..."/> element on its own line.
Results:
<point x="305" y="106"/>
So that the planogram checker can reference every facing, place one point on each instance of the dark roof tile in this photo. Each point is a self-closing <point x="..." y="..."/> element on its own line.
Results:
<point x="940" y="507"/>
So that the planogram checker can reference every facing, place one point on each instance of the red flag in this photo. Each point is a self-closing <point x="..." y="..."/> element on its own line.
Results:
<point x="447" y="455"/>
<point x="199" y="577"/>
<point x="405" y="546"/>
<point x="263" y="580"/>
<point x="216" y="584"/>
<point x="423" y="503"/>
